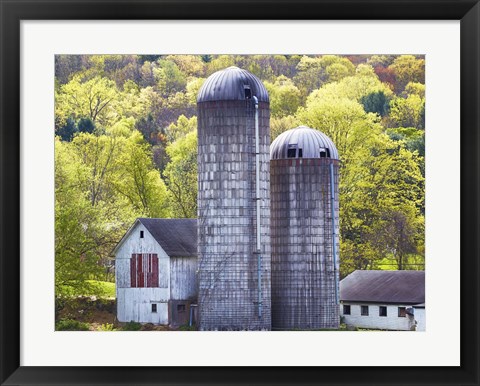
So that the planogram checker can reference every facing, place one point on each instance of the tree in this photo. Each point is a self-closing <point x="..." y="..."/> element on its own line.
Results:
<point x="279" y="125"/>
<point x="147" y="74"/>
<point x="313" y="72"/>
<point x="181" y="128"/>
<point x="169" y="78"/>
<point x="386" y="75"/>
<point x="260" y="65"/>
<point x="414" y="88"/>
<point x="219" y="63"/>
<point x="400" y="232"/>
<point x="408" y="112"/>
<point x="407" y="69"/>
<point x="93" y="99"/>
<point x="377" y="175"/>
<point x="189" y="65"/>
<point x="352" y="87"/>
<point x="78" y="233"/>
<point x="380" y="60"/>
<point x="310" y="75"/>
<point x="139" y="182"/>
<point x="67" y="131"/>
<point x="413" y="139"/>
<point x="102" y="183"/>
<point x="284" y="97"/>
<point x="66" y="65"/>
<point x="181" y="176"/>
<point x="193" y="87"/>
<point x="345" y="122"/>
<point x="376" y="102"/>
<point x="98" y="155"/>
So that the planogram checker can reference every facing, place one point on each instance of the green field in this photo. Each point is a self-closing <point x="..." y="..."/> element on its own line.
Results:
<point x="101" y="289"/>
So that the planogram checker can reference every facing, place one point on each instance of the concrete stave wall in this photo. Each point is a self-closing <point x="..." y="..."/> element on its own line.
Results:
<point x="303" y="272"/>
<point x="228" y="285"/>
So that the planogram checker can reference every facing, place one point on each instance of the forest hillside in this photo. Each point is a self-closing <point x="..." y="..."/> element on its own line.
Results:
<point x="125" y="147"/>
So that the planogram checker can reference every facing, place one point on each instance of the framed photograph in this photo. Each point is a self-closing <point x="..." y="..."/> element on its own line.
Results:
<point x="107" y="110"/>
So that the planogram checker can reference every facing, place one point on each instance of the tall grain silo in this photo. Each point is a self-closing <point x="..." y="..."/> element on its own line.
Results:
<point x="233" y="202"/>
<point x="305" y="230"/>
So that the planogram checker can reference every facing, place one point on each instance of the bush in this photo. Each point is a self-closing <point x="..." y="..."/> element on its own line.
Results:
<point x="186" y="327"/>
<point x="132" y="326"/>
<point x="71" y="325"/>
<point x="107" y="327"/>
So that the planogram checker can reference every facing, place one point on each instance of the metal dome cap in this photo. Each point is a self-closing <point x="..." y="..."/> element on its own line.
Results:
<point x="232" y="83"/>
<point x="303" y="142"/>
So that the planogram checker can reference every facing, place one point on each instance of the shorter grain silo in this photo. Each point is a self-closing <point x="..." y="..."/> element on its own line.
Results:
<point x="304" y="230"/>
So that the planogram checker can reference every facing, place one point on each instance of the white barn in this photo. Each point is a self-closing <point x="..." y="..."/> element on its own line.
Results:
<point x="156" y="271"/>
<point x="387" y="300"/>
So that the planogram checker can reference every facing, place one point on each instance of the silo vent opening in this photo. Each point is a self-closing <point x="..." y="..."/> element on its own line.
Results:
<point x="248" y="92"/>
<point x="292" y="151"/>
<point x="324" y="152"/>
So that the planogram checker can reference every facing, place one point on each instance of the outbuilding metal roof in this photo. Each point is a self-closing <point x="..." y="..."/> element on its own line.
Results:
<point x="305" y="138"/>
<point x="177" y="237"/>
<point x="399" y="287"/>
<point x="230" y="84"/>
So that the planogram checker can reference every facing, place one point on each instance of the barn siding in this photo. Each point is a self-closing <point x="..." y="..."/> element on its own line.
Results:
<point x="134" y="304"/>
<point x="183" y="278"/>
<point x="420" y="318"/>
<point x="390" y="322"/>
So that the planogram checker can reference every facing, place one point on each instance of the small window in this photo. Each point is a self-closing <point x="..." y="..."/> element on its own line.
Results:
<point x="300" y="153"/>
<point x="180" y="307"/>
<point x="346" y="309"/>
<point x="141" y="234"/>
<point x="248" y="92"/>
<point x="324" y="152"/>
<point x="364" y="310"/>
<point x="291" y="153"/>
<point x="402" y="313"/>
<point x="154" y="308"/>
<point x="382" y="311"/>
<point x="292" y="150"/>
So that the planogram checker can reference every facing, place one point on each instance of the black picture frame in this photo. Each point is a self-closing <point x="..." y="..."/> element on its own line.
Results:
<point x="13" y="11"/>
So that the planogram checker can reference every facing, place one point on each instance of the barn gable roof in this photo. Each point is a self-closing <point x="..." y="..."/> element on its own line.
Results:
<point x="177" y="236"/>
<point x="400" y="287"/>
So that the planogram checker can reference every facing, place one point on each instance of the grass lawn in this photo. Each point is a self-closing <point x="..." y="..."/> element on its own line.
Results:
<point x="103" y="289"/>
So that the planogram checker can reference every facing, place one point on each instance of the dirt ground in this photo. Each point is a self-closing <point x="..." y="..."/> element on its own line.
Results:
<point x="98" y="313"/>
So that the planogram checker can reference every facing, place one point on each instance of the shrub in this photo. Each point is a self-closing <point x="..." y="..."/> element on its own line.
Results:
<point x="132" y="326"/>
<point x="107" y="327"/>
<point x="71" y="325"/>
<point x="186" y="327"/>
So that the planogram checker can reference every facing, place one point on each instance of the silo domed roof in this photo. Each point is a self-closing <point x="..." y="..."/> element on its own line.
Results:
<point x="232" y="83"/>
<point x="303" y="142"/>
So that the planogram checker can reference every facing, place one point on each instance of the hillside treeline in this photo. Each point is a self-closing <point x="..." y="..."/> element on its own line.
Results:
<point x="125" y="147"/>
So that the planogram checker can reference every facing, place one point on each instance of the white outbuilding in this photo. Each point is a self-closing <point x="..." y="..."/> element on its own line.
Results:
<point x="387" y="300"/>
<point x="156" y="271"/>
